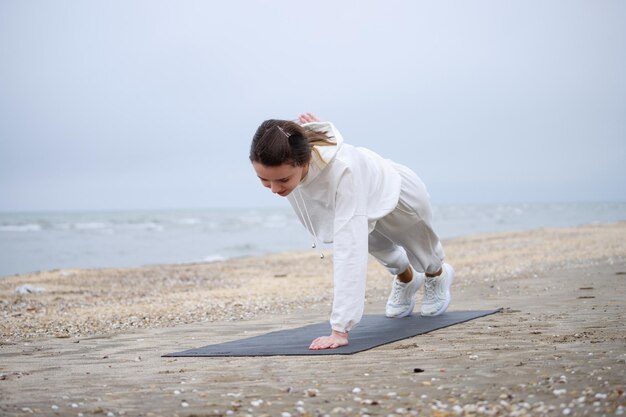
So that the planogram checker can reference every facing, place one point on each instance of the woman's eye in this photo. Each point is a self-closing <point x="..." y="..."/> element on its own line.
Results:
<point x="284" y="180"/>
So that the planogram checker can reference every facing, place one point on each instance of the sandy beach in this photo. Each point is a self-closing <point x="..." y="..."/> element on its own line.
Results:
<point x="91" y="343"/>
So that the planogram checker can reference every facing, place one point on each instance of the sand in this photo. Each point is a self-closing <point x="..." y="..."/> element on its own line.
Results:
<point x="91" y="344"/>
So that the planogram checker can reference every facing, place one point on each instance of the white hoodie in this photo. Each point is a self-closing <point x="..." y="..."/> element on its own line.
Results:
<point x="339" y="201"/>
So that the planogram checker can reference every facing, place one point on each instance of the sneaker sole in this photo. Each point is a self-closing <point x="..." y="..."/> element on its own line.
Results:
<point x="442" y="310"/>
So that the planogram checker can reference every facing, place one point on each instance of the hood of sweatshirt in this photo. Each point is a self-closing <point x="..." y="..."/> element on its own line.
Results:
<point x="322" y="155"/>
<point x="371" y="187"/>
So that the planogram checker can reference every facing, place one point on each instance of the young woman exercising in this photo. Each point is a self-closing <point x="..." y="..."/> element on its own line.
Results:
<point x="362" y="203"/>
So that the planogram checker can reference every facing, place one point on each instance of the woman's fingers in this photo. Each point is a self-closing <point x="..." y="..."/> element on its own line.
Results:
<point x="308" y="118"/>
<point x="324" y="342"/>
<point x="320" y="343"/>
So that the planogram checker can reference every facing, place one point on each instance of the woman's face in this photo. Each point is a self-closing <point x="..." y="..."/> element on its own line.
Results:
<point x="281" y="179"/>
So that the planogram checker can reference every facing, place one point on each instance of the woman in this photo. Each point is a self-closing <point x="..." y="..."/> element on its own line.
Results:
<point x="361" y="203"/>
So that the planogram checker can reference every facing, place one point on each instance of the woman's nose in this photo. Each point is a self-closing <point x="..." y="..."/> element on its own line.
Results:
<point x="275" y="187"/>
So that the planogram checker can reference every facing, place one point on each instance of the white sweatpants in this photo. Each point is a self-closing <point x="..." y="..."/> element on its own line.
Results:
<point x="405" y="236"/>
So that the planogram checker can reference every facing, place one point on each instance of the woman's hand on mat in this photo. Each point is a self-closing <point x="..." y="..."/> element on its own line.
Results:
<point x="308" y="118"/>
<point x="333" y="341"/>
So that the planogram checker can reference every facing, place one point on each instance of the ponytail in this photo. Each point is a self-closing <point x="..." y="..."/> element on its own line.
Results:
<point x="278" y="142"/>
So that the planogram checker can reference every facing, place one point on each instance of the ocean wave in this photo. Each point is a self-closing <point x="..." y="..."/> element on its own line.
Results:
<point x="207" y="259"/>
<point x="188" y="221"/>
<point x="82" y="227"/>
<point x="89" y="226"/>
<point x="214" y="258"/>
<point x="31" y="227"/>
<point x="151" y="226"/>
<point x="101" y="227"/>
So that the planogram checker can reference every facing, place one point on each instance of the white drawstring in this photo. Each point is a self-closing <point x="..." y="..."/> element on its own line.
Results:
<point x="307" y="220"/>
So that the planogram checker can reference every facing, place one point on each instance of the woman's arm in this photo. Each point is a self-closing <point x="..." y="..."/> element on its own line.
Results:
<point x="350" y="258"/>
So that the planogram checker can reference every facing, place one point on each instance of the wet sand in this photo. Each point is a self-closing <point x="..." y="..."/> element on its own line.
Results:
<point x="91" y="344"/>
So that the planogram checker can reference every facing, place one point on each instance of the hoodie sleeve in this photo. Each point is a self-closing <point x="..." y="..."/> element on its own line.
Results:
<point x="350" y="254"/>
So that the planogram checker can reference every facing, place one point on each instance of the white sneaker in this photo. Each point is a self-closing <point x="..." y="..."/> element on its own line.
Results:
<point x="437" y="292"/>
<point x="402" y="298"/>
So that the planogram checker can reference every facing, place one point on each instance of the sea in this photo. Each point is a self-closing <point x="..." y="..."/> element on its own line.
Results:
<point x="39" y="241"/>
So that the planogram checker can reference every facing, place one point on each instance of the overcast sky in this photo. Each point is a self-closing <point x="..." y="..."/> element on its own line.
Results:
<point x="152" y="104"/>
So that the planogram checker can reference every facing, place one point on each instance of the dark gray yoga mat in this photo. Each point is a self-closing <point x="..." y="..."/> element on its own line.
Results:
<point x="372" y="331"/>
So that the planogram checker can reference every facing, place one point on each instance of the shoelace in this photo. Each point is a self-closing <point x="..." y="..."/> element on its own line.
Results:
<point x="429" y="289"/>
<point x="398" y="290"/>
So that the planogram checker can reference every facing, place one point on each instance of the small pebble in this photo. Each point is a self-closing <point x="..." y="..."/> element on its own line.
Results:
<point x="311" y="392"/>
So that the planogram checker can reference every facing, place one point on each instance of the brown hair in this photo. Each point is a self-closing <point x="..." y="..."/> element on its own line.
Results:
<point x="277" y="142"/>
